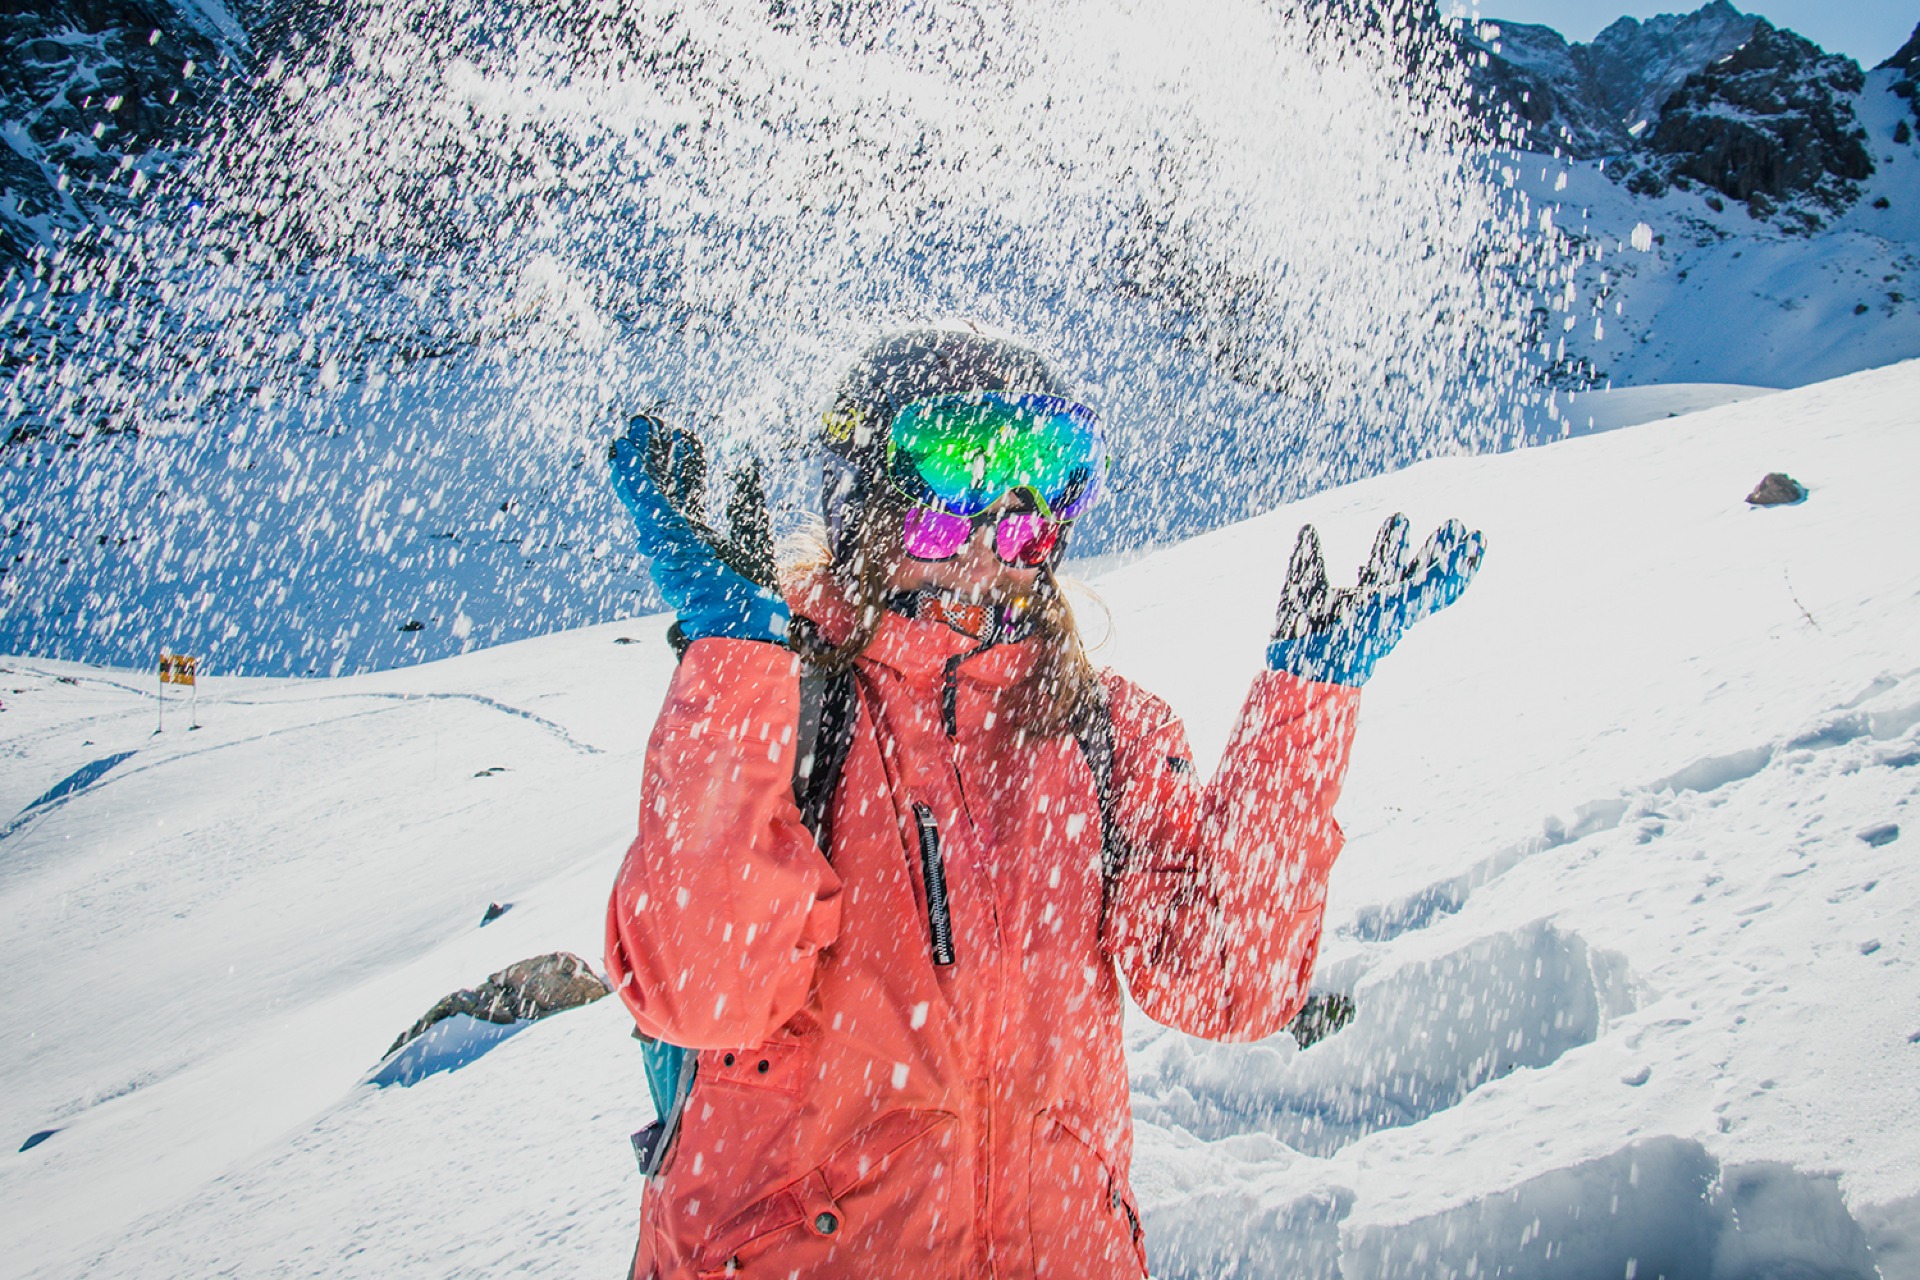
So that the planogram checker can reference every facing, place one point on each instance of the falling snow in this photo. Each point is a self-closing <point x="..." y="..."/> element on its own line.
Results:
<point x="355" y="370"/>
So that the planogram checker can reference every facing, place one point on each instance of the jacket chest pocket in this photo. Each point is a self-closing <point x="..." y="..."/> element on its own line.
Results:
<point x="1082" y="1218"/>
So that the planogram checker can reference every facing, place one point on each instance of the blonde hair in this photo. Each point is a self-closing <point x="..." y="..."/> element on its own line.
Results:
<point x="1062" y="693"/>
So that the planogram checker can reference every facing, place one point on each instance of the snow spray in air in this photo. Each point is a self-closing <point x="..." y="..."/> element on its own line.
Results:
<point x="335" y="396"/>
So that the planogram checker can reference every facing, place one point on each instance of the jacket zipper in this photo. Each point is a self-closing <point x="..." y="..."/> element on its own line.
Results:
<point x="950" y="695"/>
<point x="950" y="689"/>
<point x="934" y="873"/>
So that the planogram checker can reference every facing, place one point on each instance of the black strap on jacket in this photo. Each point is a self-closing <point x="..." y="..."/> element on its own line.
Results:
<point x="1096" y="744"/>
<point x="829" y="710"/>
<point x="829" y="706"/>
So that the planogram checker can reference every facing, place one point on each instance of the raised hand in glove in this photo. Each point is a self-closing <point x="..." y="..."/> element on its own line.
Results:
<point x="1335" y="636"/>
<point x="719" y="583"/>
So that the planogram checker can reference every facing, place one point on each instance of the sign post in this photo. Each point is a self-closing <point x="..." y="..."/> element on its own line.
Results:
<point x="179" y="668"/>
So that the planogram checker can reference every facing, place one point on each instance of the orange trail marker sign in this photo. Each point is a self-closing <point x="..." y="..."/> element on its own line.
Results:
<point x="179" y="668"/>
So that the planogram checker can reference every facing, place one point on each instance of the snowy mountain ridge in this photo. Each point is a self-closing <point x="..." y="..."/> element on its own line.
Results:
<point x="1592" y="100"/>
<point x="103" y="91"/>
<point x="1676" y="283"/>
<point x="1628" y="907"/>
<point x="1751" y="113"/>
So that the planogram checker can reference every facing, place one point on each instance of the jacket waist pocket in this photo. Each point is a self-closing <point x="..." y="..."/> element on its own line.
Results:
<point x="1082" y="1217"/>
<point x="827" y="1208"/>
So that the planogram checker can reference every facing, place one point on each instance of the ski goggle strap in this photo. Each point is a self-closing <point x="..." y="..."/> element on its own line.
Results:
<point x="962" y="453"/>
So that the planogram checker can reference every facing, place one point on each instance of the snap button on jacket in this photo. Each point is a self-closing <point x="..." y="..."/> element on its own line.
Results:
<point x="862" y="1110"/>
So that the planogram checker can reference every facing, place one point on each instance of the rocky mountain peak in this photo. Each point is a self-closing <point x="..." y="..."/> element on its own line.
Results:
<point x="98" y="94"/>
<point x="1908" y="57"/>
<point x="1716" y="97"/>
<point x="1907" y="63"/>
<point x="1589" y="100"/>
<point x="1532" y="76"/>
<point x="1772" y="120"/>
<point x="1635" y="65"/>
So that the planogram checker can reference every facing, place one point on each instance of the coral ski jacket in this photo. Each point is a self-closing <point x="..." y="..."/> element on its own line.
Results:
<point x="860" y="1110"/>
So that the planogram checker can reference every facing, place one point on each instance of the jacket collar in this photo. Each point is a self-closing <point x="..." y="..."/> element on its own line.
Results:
<point x="910" y="646"/>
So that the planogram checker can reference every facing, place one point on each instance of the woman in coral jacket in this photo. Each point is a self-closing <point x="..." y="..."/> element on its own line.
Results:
<point x="906" y="1018"/>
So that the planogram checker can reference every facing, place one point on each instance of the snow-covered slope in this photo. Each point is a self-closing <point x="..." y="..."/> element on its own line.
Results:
<point x="1628" y="908"/>
<point x="1610" y="408"/>
<point x="1671" y="289"/>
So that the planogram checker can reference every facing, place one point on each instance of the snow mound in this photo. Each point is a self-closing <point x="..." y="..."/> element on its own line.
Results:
<point x="1609" y="409"/>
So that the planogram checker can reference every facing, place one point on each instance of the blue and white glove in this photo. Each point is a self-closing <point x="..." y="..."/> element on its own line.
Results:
<point x="720" y="584"/>
<point x="1336" y="636"/>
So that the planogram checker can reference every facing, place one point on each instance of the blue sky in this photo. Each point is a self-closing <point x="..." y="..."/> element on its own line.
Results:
<point x="1869" y="30"/>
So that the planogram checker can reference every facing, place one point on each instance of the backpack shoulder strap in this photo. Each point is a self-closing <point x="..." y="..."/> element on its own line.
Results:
<point x="829" y="706"/>
<point x="1096" y="744"/>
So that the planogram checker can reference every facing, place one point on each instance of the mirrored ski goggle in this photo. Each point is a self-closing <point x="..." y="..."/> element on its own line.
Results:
<point x="959" y="454"/>
<point x="1024" y="538"/>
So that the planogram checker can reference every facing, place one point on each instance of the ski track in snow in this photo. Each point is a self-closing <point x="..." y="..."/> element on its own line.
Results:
<point x="52" y="802"/>
<point x="1627" y="909"/>
<point x="1383" y="923"/>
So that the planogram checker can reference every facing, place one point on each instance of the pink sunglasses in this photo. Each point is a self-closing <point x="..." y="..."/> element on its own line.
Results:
<point x="1024" y="538"/>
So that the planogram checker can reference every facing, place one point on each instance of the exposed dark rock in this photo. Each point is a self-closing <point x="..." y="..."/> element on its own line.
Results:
<point x="1647" y="182"/>
<point x="1774" y="118"/>
<point x="1320" y="1017"/>
<point x="37" y="1138"/>
<point x="1534" y="75"/>
<point x="1907" y="62"/>
<point x="1908" y="57"/>
<point x="100" y="95"/>
<point x="1716" y="97"/>
<point x="529" y="990"/>
<point x="1778" y="490"/>
<point x="1636" y="66"/>
<point x="107" y="97"/>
